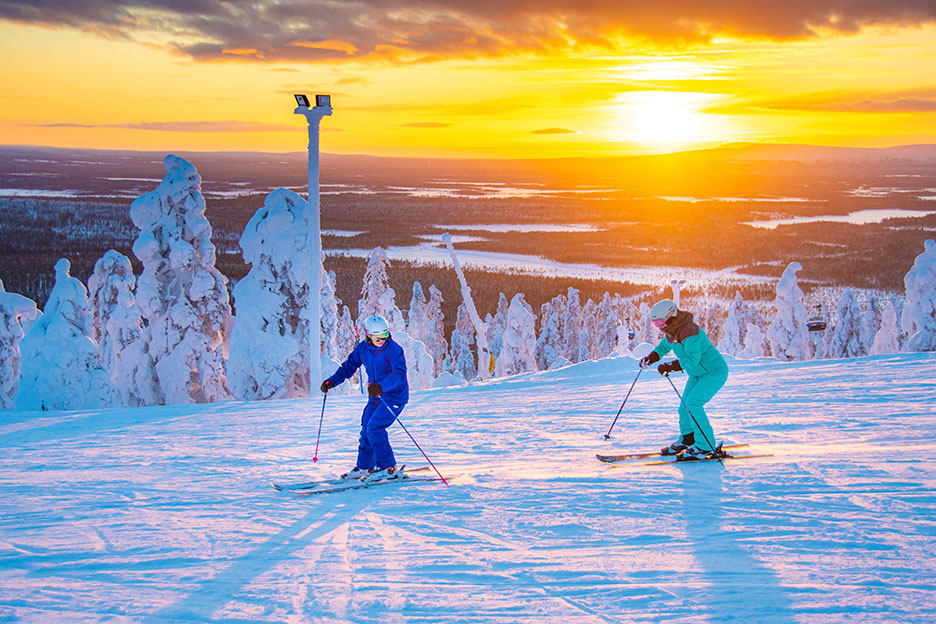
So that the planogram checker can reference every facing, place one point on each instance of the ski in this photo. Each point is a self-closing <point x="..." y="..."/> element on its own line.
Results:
<point x="610" y="459"/>
<point x="676" y="460"/>
<point x="360" y="485"/>
<point x="306" y="485"/>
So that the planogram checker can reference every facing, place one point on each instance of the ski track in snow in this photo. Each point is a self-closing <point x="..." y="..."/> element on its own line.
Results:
<point x="164" y="514"/>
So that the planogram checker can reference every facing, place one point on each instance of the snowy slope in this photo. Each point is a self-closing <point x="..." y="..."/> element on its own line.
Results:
<point x="164" y="514"/>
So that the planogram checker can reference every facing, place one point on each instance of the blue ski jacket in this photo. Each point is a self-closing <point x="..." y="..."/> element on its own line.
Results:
<point x="385" y="366"/>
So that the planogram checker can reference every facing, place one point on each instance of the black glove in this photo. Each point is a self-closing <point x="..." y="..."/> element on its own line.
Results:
<point x="374" y="389"/>
<point x="650" y="359"/>
<point x="326" y="385"/>
<point x="669" y="367"/>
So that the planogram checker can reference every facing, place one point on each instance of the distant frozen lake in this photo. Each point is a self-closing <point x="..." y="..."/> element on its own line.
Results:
<point x="859" y="217"/>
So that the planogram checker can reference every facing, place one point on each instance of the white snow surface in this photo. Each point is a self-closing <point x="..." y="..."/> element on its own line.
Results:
<point x="165" y="514"/>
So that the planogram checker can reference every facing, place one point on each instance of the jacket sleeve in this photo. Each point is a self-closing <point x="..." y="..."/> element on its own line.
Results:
<point x="348" y="367"/>
<point x="663" y="348"/>
<point x="396" y="378"/>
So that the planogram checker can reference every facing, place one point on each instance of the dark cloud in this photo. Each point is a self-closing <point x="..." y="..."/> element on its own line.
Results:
<point x="330" y="30"/>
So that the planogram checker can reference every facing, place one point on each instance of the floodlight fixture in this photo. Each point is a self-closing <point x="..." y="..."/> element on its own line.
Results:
<point x="302" y="100"/>
<point x="323" y="100"/>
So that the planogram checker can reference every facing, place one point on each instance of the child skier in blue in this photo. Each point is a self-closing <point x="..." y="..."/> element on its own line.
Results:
<point x="385" y="363"/>
<point x="707" y="371"/>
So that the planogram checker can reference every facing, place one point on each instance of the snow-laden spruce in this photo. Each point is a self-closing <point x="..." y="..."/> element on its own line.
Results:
<point x="887" y="338"/>
<point x="17" y="315"/>
<point x="848" y="338"/>
<point x="460" y="359"/>
<point x="181" y="295"/>
<point x="755" y="344"/>
<point x="110" y="290"/>
<point x="269" y="341"/>
<point x="376" y="295"/>
<point x="519" y="346"/>
<point x="918" y="319"/>
<point x="549" y="344"/>
<point x="61" y="366"/>
<point x="788" y="333"/>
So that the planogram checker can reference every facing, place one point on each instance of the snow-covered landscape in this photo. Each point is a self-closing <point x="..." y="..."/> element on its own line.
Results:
<point x="165" y="514"/>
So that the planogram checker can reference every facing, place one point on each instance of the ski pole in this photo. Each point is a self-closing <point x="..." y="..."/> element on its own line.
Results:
<point x="691" y="416"/>
<point x="319" y="436"/>
<point x="397" y="416"/>
<point x="608" y="435"/>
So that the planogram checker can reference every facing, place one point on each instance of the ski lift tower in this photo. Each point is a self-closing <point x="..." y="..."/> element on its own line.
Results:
<point x="314" y="116"/>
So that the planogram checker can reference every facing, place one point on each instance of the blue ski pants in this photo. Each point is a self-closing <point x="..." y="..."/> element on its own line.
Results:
<point x="374" y="449"/>
<point x="699" y="391"/>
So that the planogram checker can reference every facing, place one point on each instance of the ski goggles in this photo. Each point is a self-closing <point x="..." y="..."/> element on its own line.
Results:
<point x="659" y="323"/>
<point x="382" y="336"/>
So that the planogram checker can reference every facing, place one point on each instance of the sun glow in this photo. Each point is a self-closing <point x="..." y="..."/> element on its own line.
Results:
<point x="663" y="119"/>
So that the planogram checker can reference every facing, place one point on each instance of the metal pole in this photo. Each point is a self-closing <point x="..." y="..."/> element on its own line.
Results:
<point x="314" y="117"/>
<point x="608" y="435"/>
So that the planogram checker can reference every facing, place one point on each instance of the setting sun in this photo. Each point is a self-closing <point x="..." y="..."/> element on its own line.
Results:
<point x="660" y="120"/>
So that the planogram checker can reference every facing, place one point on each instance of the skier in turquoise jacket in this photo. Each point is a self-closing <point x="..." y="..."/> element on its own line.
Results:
<point x="385" y="363"/>
<point x="707" y="371"/>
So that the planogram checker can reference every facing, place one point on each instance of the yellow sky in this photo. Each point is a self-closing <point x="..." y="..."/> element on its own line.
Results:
<point x="873" y="88"/>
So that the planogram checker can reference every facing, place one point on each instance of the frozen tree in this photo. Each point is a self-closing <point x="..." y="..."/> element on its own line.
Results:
<point x="848" y="336"/>
<point x="588" y="332"/>
<point x="788" y="333"/>
<point x="484" y="352"/>
<point x="606" y="325"/>
<point x="61" y="366"/>
<point x="755" y="344"/>
<point x="419" y="364"/>
<point x="496" y="326"/>
<point x="15" y="311"/>
<point x="571" y="324"/>
<point x="887" y="338"/>
<point x="517" y="355"/>
<point x="182" y="297"/>
<point x="376" y="295"/>
<point x="416" y="320"/>
<point x="549" y="346"/>
<point x="918" y="319"/>
<point x="733" y="340"/>
<point x="646" y="332"/>
<point x="329" y="314"/>
<point x="269" y="342"/>
<point x="870" y="322"/>
<point x="435" y="326"/>
<point x="461" y="360"/>
<point x="110" y="289"/>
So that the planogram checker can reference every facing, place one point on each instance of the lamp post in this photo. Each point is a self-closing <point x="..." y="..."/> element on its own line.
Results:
<point x="314" y="116"/>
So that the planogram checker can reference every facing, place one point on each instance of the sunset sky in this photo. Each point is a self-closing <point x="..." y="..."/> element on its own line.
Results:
<point x="467" y="78"/>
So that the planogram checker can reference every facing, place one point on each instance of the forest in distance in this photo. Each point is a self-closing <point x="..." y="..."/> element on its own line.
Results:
<point x="681" y="210"/>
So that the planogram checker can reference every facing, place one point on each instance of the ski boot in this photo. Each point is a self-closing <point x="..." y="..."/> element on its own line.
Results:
<point x="385" y="474"/>
<point x="355" y="474"/>
<point x="679" y="446"/>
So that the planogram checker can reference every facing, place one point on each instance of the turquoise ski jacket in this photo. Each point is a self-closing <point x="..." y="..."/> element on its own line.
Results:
<point x="691" y="345"/>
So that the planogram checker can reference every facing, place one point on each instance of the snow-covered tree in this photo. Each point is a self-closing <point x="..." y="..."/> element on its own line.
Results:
<point x="645" y="330"/>
<point x="461" y="360"/>
<point x="571" y="324"/>
<point x="419" y="364"/>
<point x="788" y="333"/>
<point x="517" y="355"/>
<point x="496" y="326"/>
<point x="549" y="345"/>
<point x="606" y="325"/>
<point x="61" y="366"/>
<point x="887" y="338"/>
<point x="733" y="341"/>
<point x="181" y="295"/>
<point x="15" y="311"/>
<point x="755" y="344"/>
<point x="329" y="315"/>
<point x="110" y="289"/>
<point x="918" y="319"/>
<point x="588" y="331"/>
<point x="416" y="320"/>
<point x="269" y="341"/>
<point x="376" y="295"/>
<point x="435" y="326"/>
<point x="848" y="338"/>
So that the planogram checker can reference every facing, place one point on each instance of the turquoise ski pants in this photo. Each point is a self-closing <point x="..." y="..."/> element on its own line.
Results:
<point x="699" y="391"/>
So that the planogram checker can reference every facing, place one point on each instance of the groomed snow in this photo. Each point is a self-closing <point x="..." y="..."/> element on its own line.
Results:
<point x="164" y="514"/>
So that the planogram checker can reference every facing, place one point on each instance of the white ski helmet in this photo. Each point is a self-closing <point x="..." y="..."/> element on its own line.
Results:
<point x="376" y="325"/>
<point x="663" y="310"/>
